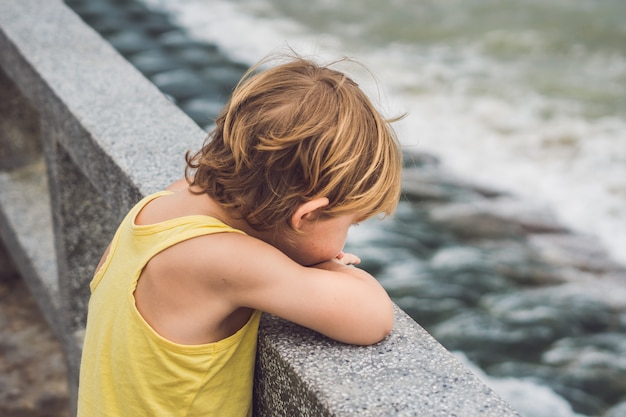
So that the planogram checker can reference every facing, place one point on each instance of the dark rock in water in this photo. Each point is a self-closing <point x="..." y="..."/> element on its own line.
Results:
<point x="153" y="23"/>
<point x="455" y="258"/>
<point x="136" y="9"/>
<point x="154" y="61"/>
<point x="199" y="56"/>
<point x="604" y="350"/>
<point x="421" y="192"/>
<point x="470" y="220"/>
<point x="617" y="411"/>
<point x="420" y="159"/>
<point x="580" y="400"/>
<point x="573" y="250"/>
<point x="496" y="218"/>
<point x="89" y="10"/>
<point x="174" y="39"/>
<point x="486" y="340"/>
<point x="567" y="314"/>
<point x="183" y="84"/>
<point x="411" y="223"/>
<point x="595" y="363"/>
<point x="515" y="260"/>
<point x="426" y="168"/>
<point x="131" y="41"/>
<point x="227" y="76"/>
<point x="202" y="110"/>
<point x="106" y="24"/>
<point x="467" y="266"/>
<point x="428" y="311"/>
<point x="435" y="184"/>
<point x="522" y="324"/>
<point x="186" y="70"/>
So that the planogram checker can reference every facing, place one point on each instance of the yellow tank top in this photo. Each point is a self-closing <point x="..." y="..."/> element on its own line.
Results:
<point x="127" y="369"/>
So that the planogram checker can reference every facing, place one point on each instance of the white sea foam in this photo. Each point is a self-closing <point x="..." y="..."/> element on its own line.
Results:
<point x="479" y="113"/>
<point x="524" y="395"/>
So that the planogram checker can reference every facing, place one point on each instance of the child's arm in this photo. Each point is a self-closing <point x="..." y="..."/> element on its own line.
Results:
<point x="342" y="302"/>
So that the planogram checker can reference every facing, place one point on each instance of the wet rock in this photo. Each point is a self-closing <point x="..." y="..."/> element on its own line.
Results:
<point x="106" y="24"/>
<point x="521" y="324"/>
<point x="581" y="400"/>
<point x="154" y="61"/>
<point x="202" y="110"/>
<point x="428" y="311"/>
<point x="496" y="218"/>
<point x="90" y="10"/>
<point x="420" y="159"/>
<point x="617" y="411"/>
<point x="183" y="84"/>
<point x="487" y="340"/>
<point x="519" y="263"/>
<point x="227" y="76"/>
<point x="153" y="23"/>
<point x="603" y="350"/>
<point x="130" y="41"/>
<point x="573" y="250"/>
<point x="457" y="257"/>
<point x="568" y="314"/>
<point x="174" y="39"/>
<point x="424" y="166"/>
<point x="596" y="364"/>
<point x="468" y="266"/>
<point x="199" y="56"/>
<point x="412" y="224"/>
<point x="436" y="185"/>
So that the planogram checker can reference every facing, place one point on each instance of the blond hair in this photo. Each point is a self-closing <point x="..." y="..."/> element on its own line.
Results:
<point x="293" y="133"/>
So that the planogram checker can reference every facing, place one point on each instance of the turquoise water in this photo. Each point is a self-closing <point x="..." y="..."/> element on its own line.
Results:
<point x="529" y="96"/>
<point x="568" y="50"/>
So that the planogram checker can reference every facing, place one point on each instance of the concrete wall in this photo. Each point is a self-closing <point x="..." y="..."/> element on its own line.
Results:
<point x="83" y="135"/>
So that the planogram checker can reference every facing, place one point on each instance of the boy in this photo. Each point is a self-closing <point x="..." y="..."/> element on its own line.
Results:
<point x="299" y="154"/>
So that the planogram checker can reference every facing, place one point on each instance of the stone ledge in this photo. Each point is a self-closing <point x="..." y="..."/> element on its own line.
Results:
<point x="300" y="372"/>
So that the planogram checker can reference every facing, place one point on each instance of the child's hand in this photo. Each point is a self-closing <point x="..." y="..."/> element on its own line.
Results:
<point x="348" y="259"/>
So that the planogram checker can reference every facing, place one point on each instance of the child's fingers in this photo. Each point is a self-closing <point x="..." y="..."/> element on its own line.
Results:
<point x="348" y="258"/>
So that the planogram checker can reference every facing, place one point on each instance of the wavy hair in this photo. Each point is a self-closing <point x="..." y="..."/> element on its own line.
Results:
<point x="293" y="133"/>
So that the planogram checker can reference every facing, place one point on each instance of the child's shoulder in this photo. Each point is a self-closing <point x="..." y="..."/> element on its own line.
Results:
<point x="178" y="203"/>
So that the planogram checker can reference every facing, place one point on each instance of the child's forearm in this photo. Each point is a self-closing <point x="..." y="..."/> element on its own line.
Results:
<point x="343" y="263"/>
<point x="336" y="265"/>
<point x="374" y="305"/>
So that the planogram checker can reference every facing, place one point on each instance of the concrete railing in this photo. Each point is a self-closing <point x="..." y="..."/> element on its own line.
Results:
<point x="83" y="135"/>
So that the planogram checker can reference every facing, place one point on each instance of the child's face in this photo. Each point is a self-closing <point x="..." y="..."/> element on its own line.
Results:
<point x="320" y="240"/>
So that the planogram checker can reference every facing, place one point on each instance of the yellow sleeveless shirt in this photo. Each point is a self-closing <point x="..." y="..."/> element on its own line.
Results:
<point x="127" y="369"/>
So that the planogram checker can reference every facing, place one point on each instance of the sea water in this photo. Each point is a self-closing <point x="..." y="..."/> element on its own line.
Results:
<point x="527" y="96"/>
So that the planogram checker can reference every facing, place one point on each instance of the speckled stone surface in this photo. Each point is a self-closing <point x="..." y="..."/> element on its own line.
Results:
<point x="300" y="372"/>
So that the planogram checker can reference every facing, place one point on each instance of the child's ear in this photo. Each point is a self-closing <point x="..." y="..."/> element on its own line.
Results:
<point x="305" y="211"/>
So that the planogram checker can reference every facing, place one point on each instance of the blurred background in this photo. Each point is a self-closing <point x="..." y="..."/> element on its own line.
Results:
<point x="526" y="95"/>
